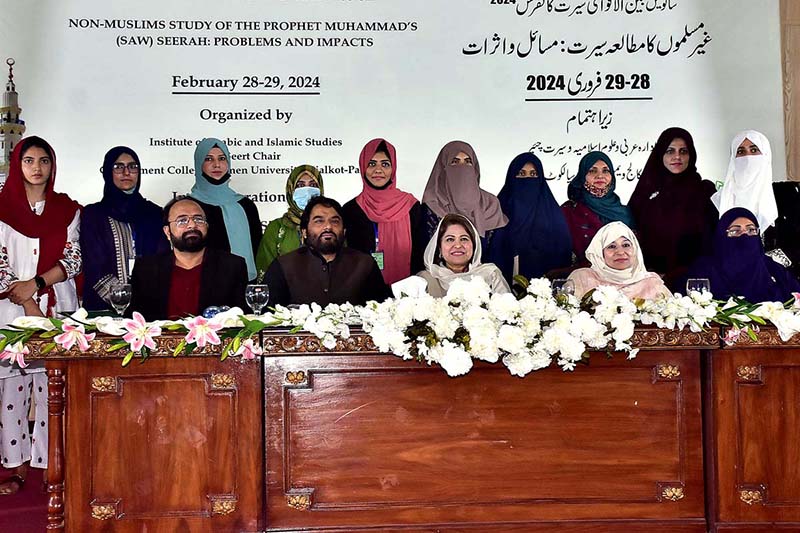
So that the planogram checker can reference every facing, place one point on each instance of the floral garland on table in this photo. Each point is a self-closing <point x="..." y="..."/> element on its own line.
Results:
<point x="526" y="332"/>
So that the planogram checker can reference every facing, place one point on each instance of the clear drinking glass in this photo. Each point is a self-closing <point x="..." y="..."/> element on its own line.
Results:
<point x="120" y="296"/>
<point x="257" y="296"/>
<point x="563" y="287"/>
<point x="698" y="285"/>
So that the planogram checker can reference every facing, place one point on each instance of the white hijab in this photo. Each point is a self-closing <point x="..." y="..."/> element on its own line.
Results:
<point x="445" y="276"/>
<point x="594" y="253"/>
<point x="748" y="181"/>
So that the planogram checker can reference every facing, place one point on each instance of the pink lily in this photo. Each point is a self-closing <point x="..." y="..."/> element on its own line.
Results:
<point x="202" y="332"/>
<point x="15" y="354"/>
<point x="139" y="333"/>
<point x="732" y="336"/>
<point x="248" y="350"/>
<point x="796" y="304"/>
<point x="72" y="335"/>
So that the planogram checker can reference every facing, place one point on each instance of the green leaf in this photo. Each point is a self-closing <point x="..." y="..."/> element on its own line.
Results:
<point x="49" y="347"/>
<point x="256" y="325"/>
<point x="226" y="351"/>
<point x="56" y="322"/>
<point x="127" y="360"/>
<point x="116" y="346"/>
<point x="49" y="334"/>
<point x="752" y="334"/>
<point x="145" y="354"/>
<point x="179" y="348"/>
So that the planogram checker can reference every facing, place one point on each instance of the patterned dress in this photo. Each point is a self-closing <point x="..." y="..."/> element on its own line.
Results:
<point x="20" y="387"/>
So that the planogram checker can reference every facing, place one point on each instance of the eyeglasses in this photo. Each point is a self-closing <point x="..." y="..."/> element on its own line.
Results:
<point x="739" y="231"/>
<point x="183" y="221"/>
<point x="119" y="168"/>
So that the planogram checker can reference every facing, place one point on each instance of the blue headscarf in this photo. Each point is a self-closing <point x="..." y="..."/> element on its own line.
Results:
<point x="143" y="216"/>
<point x="537" y="231"/>
<point x="609" y="208"/>
<point x="739" y="267"/>
<point x="219" y="193"/>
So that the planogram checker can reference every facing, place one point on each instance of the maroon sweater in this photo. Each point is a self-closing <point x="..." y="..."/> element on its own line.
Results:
<point x="583" y="225"/>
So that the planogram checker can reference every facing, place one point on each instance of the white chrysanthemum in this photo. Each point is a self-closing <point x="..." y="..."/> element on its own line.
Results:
<point x="427" y="307"/>
<point x="622" y="326"/>
<point x="542" y="309"/>
<point x="473" y="290"/>
<point x="483" y="344"/>
<point x="519" y="364"/>
<point x="504" y="307"/>
<point x="531" y="326"/>
<point x="540" y="288"/>
<point x="444" y="326"/>
<point x="566" y="364"/>
<point x="511" y="339"/>
<point x="592" y="332"/>
<point x="476" y="317"/>
<point x="403" y="312"/>
<point x="454" y="359"/>
<point x="572" y="348"/>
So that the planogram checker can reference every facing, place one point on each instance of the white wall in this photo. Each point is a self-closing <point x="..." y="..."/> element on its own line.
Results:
<point x="84" y="93"/>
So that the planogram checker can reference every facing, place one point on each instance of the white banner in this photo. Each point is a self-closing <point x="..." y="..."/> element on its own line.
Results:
<point x="289" y="82"/>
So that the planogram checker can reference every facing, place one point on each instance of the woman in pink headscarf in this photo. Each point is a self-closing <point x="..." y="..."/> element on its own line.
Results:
<point x="382" y="219"/>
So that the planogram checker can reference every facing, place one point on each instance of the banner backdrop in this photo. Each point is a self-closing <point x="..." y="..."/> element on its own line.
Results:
<point x="289" y="82"/>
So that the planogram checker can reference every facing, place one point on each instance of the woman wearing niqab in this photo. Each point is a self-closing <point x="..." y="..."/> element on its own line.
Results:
<point x="738" y="266"/>
<point x="536" y="238"/>
<point x="454" y="187"/>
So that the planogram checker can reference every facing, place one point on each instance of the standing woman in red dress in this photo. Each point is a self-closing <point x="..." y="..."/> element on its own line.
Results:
<point x="39" y="257"/>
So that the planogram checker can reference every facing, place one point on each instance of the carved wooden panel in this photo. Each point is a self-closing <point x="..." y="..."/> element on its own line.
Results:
<point x="161" y="445"/>
<point x="757" y="416"/>
<point x="368" y="441"/>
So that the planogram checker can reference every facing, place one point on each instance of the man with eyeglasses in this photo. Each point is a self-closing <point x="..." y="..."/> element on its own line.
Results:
<point x="192" y="276"/>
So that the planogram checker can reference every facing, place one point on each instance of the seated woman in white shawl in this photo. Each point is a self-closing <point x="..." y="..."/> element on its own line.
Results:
<point x="454" y="252"/>
<point x="616" y="259"/>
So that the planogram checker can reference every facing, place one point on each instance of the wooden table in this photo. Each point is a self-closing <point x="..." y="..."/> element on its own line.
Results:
<point x="352" y="440"/>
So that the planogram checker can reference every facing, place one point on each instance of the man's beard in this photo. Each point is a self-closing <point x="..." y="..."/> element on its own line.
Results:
<point x="190" y="241"/>
<point x="324" y="247"/>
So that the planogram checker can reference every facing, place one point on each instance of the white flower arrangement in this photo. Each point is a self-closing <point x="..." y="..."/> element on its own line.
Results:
<point x="526" y="333"/>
